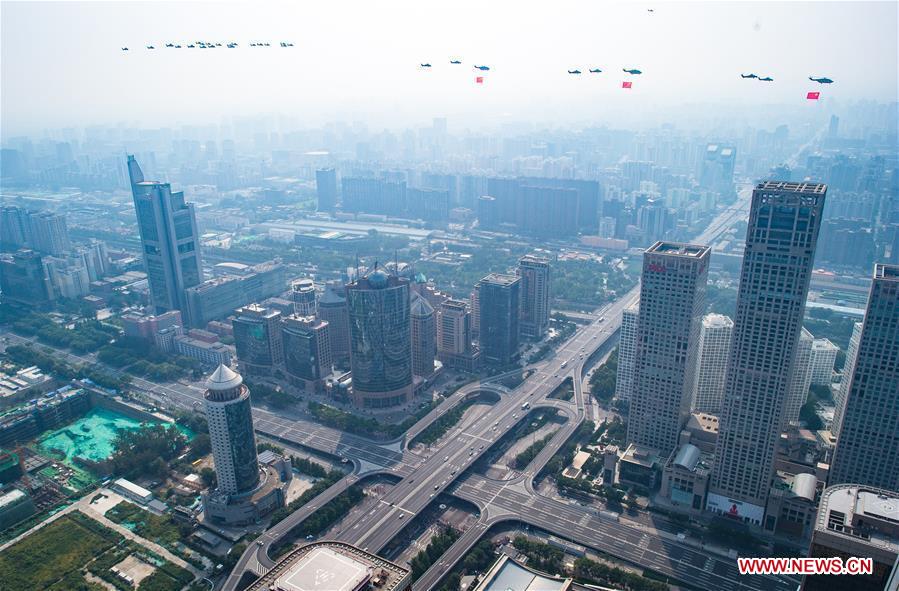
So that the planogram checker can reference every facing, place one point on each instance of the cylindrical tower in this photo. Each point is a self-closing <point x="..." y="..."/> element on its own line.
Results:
<point x="303" y="292"/>
<point x="231" y="432"/>
<point x="380" y="340"/>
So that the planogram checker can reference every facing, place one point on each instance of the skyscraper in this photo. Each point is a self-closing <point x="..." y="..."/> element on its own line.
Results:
<point x="800" y="378"/>
<point x="784" y="221"/>
<point x="380" y="340"/>
<point x="170" y="240"/>
<point x="717" y="171"/>
<point x="535" y="301"/>
<point x="47" y="232"/>
<point x="711" y="363"/>
<point x="821" y="362"/>
<point x="498" y="302"/>
<point x="332" y="308"/>
<point x="867" y="449"/>
<point x="627" y="349"/>
<point x="424" y="336"/>
<point x="454" y="348"/>
<point x="257" y="338"/>
<point x="303" y="293"/>
<point x="307" y="351"/>
<point x="12" y="227"/>
<point x="839" y="406"/>
<point x="326" y="189"/>
<point x="474" y="300"/>
<point x="230" y="418"/>
<point x="24" y="278"/>
<point x="672" y="300"/>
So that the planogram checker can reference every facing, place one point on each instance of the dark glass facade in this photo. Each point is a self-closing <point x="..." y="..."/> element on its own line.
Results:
<point x="170" y="240"/>
<point x="380" y="333"/>
<point x="242" y="444"/>
<point x="499" y="309"/>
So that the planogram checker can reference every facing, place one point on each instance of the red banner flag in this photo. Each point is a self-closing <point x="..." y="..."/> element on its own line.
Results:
<point x="813" y="96"/>
<point x="479" y="80"/>
<point x="626" y="84"/>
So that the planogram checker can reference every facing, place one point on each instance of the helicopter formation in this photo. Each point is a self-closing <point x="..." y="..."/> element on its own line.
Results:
<point x="453" y="61"/>
<point x="631" y="72"/>
<point x="214" y="44"/>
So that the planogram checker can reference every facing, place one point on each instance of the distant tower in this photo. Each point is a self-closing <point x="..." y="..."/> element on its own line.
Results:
<point x="498" y="302"/>
<point x="326" y="188"/>
<point x="303" y="293"/>
<point x="169" y="239"/>
<point x="535" y="296"/>
<point x="823" y="358"/>
<point x="230" y="418"/>
<point x="380" y="340"/>
<point x="475" y="300"/>
<point x="843" y="392"/>
<point x="627" y="349"/>
<point x="800" y="379"/>
<point x="784" y="221"/>
<point x="672" y="300"/>
<point x="488" y="212"/>
<point x="867" y="449"/>
<point x="48" y="232"/>
<point x="424" y="336"/>
<point x="711" y="363"/>
<point x="257" y="338"/>
<point x="332" y="308"/>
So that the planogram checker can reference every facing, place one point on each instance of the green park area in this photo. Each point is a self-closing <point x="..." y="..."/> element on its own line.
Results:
<point x="69" y="552"/>
<point x="92" y="437"/>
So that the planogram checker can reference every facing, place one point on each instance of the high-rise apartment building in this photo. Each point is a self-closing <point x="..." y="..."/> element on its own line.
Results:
<point x="424" y="336"/>
<point x="784" y="221"/>
<point x="498" y="302"/>
<point x="47" y="232"/>
<point x="326" y="189"/>
<point x="839" y="399"/>
<point x="821" y="362"/>
<point x="332" y="308"/>
<point x="800" y="378"/>
<point x="257" y="338"/>
<point x="12" y="227"/>
<point x="672" y="300"/>
<point x="717" y="171"/>
<point x="711" y="363"/>
<point x="380" y="340"/>
<point x="307" y="351"/>
<point x="474" y="300"/>
<point x="867" y="449"/>
<point x="535" y="296"/>
<point x="169" y="238"/>
<point x="230" y="418"/>
<point x="43" y="231"/>
<point x="627" y="350"/>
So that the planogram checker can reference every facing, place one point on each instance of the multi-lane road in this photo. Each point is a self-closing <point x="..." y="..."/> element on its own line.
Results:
<point x="421" y="477"/>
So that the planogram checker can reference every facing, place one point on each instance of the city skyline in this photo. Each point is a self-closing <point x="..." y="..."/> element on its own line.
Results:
<point x="426" y="297"/>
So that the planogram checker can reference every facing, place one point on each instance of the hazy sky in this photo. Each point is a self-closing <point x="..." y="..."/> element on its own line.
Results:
<point x="62" y="64"/>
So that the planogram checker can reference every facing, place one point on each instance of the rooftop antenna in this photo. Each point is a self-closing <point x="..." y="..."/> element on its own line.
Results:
<point x="396" y="264"/>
